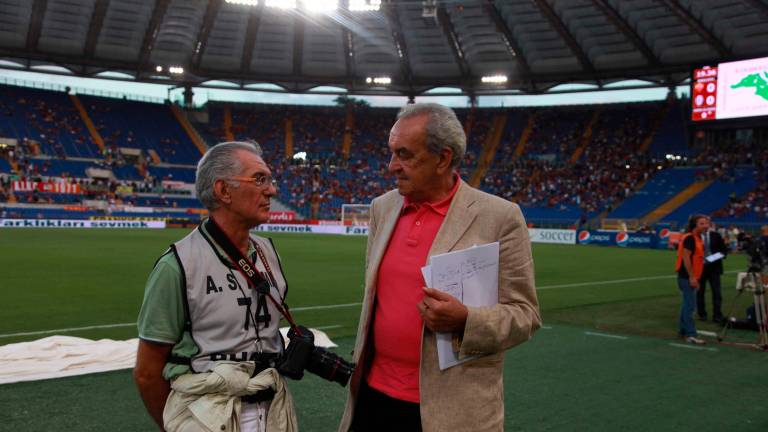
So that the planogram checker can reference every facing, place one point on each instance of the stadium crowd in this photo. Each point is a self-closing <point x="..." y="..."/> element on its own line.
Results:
<point x="610" y="169"/>
<point x="754" y="203"/>
<point x="578" y="161"/>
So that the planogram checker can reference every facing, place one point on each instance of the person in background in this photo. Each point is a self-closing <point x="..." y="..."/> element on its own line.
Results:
<point x="713" y="244"/>
<point x="689" y="266"/>
<point x="733" y="238"/>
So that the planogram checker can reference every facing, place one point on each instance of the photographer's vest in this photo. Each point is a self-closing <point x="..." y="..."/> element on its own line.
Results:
<point x="697" y="257"/>
<point x="221" y="308"/>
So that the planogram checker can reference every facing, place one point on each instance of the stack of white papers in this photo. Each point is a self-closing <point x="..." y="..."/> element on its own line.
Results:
<point x="472" y="276"/>
<point x="714" y="257"/>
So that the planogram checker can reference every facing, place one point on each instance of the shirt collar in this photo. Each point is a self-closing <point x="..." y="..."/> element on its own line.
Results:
<point x="219" y="250"/>
<point x="440" y="207"/>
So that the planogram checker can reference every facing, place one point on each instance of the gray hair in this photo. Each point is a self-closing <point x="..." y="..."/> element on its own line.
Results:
<point x="444" y="130"/>
<point x="220" y="162"/>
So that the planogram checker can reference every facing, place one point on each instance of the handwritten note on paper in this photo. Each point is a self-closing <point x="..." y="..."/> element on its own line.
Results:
<point x="470" y="275"/>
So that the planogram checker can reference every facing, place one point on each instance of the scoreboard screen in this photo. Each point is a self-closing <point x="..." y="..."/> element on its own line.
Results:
<point x="730" y="90"/>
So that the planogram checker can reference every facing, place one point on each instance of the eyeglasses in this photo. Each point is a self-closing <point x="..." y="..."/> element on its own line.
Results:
<point x="259" y="181"/>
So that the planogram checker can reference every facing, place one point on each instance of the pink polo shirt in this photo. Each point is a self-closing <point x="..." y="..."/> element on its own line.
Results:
<point x="397" y="325"/>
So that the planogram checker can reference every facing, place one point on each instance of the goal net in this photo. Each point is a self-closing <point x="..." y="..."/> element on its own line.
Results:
<point x="355" y="214"/>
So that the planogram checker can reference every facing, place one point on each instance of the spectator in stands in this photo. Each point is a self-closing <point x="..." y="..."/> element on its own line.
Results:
<point x="398" y="384"/>
<point x="689" y="267"/>
<point x="207" y="334"/>
<point x="713" y="244"/>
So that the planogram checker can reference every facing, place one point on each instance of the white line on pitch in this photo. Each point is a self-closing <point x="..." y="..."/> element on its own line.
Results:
<point x="589" y="333"/>
<point x="306" y="308"/>
<point x="65" y="330"/>
<point x="103" y="326"/>
<point x="546" y="327"/>
<point x="329" y="327"/>
<point x="707" y="333"/>
<point x="693" y="347"/>
<point x="344" y="305"/>
<point x="615" y="281"/>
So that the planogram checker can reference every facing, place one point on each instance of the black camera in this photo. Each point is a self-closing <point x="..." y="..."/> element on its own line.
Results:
<point x="756" y="251"/>
<point x="303" y="354"/>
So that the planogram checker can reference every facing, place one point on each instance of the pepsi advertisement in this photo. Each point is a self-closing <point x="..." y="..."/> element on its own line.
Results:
<point x="663" y="234"/>
<point x="617" y="238"/>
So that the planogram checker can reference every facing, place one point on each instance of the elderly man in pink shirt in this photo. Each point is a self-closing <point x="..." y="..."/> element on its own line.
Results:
<point x="398" y="384"/>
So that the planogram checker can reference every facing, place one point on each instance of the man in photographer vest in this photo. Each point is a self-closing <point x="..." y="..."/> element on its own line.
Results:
<point x="689" y="266"/>
<point x="201" y="316"/>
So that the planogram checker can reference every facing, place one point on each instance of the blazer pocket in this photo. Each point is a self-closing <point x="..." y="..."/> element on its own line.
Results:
<point x="487" y="361"/>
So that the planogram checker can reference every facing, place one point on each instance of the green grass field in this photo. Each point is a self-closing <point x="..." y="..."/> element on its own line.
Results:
<point x="606" y="360"/>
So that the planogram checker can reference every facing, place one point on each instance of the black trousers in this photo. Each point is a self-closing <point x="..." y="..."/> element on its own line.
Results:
<point x="377" y="412"/>
<point x="713" y="278"/>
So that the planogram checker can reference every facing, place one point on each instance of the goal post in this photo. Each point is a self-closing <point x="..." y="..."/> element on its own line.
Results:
<point x="355" y="214"/>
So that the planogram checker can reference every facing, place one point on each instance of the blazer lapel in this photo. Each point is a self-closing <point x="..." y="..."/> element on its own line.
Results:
<point x="458" y="219"/>
<point x="390" y="217"/>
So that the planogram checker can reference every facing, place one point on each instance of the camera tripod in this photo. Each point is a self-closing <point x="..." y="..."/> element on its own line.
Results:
<point x="757" y="283"/>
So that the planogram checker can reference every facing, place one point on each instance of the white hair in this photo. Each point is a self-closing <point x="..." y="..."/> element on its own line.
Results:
<point x="220" y="162"/>
<point x="444" y="130"/>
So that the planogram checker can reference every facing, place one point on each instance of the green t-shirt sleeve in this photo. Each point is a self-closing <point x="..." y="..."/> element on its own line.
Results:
<point x="161" y="318"/>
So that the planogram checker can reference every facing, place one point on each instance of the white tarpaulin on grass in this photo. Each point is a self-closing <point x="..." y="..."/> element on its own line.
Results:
<point x="62" y="356"/>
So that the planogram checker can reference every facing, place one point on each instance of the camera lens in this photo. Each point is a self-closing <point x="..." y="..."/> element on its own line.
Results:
<point x="330" y="366"/>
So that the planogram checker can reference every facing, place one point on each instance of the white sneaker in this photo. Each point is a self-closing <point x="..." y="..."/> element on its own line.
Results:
<point x="694" y="340"/>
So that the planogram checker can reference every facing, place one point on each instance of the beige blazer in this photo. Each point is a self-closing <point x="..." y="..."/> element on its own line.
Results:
<point x="467" y="397"/>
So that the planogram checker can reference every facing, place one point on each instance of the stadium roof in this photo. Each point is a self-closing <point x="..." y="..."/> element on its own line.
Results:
<point x="418" y="45"/>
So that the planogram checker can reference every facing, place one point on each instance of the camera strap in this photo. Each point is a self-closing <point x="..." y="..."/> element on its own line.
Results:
<point x="248" y="269"/>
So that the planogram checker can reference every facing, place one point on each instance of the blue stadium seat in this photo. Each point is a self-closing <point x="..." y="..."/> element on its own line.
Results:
<point x="738" y="182"/>
<point x="658" y="190"/>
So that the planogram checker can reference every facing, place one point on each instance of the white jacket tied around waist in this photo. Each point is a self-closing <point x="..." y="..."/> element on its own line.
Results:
<point x="210" y="402"/>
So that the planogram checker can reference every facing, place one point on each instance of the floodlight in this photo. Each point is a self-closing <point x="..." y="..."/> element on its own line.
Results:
<point x="494" y="79"/>
<point x="364" y="5"/>
<point x="320" y="5"/>
<point x="382" y="80"/>
<point x="244" y="2"/>
<point x="281" y="4"/>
